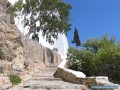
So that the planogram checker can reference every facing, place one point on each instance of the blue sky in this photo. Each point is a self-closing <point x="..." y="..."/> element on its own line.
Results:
<point x="94" y="18"/>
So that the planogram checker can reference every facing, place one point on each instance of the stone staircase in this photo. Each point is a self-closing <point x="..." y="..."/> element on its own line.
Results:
<point x="44" y="80"/>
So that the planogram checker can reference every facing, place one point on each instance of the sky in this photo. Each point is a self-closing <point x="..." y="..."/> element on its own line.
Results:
<point x="94" y="18"/>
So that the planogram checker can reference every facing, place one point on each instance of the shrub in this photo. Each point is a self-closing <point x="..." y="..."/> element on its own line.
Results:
<point x="2" y="55"/>
<point x="74" y="60"/>
<point x="99" y="57"/>
<point x="107" y="62"/>
<point x="15" y="79"/>
<point x="81" y="60"/>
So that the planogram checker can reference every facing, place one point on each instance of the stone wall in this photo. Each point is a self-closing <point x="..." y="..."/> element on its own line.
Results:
<point x="71" y="77"/>
<point x="37" y="55"/>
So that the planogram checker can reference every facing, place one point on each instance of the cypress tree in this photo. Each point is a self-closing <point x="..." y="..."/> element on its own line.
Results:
<point x="76" y="38"/>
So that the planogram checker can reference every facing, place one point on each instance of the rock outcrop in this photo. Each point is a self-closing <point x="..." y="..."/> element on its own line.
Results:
<point x="10" y="45"/>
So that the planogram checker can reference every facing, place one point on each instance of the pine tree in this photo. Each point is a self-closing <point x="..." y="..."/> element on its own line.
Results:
<point x="76" y="38"/>
<point x="53" y="16"/>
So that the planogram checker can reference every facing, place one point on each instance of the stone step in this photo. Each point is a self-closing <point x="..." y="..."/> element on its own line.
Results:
<point x="49" y="78"/>
<point x="67" y="89"/>
<point x="53" y="85"/>
<point x="51" y="66"/>
<point x="49" y="69"/>
<point x="44" y="80"/>
<point x="46" y="72"/>
<point x="52" y="89"/>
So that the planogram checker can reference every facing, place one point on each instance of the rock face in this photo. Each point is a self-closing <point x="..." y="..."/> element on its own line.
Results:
<point x="10" y="44"/>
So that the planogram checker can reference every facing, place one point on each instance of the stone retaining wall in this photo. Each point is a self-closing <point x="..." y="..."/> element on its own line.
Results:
<point x="71" y="77"/>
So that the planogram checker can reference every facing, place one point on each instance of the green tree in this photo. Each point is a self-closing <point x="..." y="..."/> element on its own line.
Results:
<point x="98" y="57"/>
<point x="76" y="38"/>
<point x="53" y="16"/>
<point x="95" y="44"/>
